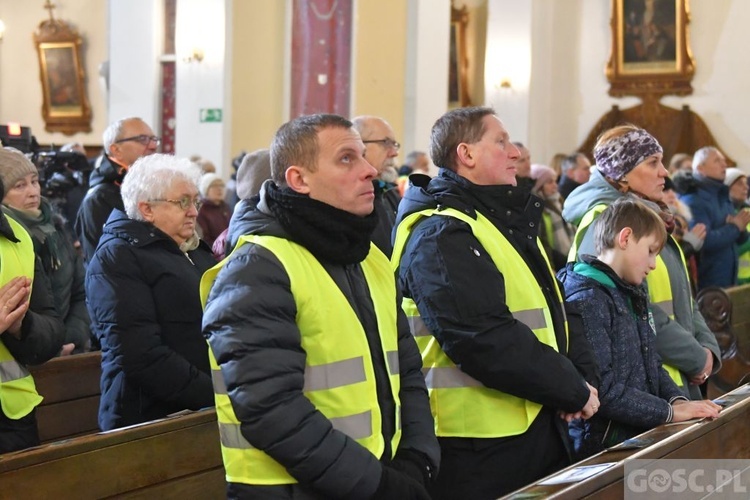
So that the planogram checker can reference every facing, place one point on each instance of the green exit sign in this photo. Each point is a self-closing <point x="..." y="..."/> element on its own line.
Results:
<point x="209" y="115"/>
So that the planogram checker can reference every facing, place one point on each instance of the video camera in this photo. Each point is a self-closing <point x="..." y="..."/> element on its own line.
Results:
<point x="63" y="175"/>
<point x="59" y="171"/>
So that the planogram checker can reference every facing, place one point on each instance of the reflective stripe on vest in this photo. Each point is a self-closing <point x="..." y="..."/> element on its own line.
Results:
<point x="461" y="405"/>
<point x="339" y="377"/>
<point x="18" y="396"/>
<point x="659" y="285"/>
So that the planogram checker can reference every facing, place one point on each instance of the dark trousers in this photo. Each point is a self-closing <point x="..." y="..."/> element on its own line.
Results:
<point x="18" y="434"/>
<point x="482" y="469"/>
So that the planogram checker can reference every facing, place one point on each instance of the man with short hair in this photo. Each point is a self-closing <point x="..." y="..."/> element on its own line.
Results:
<point x="487" y="313"/>
<point x="576" y="170"/>
<point x="381" y="152"/>
<point x="709" y="203"/>
<point x="318" y="383"/>
<point x="124" y="141"/>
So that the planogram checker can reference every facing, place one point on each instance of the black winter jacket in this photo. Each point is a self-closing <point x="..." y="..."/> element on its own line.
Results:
<point x="635" y="392"/>
<point x="460" y="293"/>
<point x="250" y="324"/>
<point x="387" y="199"/>
<point x="63" y="266"/>
<point x="143" y="298"/>
<point x="102" y="197"/>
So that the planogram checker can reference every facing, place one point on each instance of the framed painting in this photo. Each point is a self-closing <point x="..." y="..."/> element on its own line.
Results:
<point x="458" y="62"/>
<point x="65" y="107"/>
<point x="650" y="50"/>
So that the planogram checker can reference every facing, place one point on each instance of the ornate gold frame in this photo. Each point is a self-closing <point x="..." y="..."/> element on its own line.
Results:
<point x="649" y="57"/>
<point x="65" y="107"/>
<point x="458" y="86"/>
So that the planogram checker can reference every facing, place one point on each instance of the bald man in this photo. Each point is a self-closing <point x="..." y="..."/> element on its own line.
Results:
<point x="124" y="141"/>
<point x="381" y="151"/>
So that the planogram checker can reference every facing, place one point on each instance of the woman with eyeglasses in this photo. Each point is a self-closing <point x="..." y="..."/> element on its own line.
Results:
<point x="143" y="297"/>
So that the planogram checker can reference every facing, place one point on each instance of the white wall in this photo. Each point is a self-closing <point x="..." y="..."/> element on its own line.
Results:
<point x="202" y="85"/>
<point x="508" y="57"/>
<point x="718" y="38"/>
<point x="426" y="91"/>
<point x="568" y="43"/>
<point x="136" y="34"/>
<point x="20" y="85"/>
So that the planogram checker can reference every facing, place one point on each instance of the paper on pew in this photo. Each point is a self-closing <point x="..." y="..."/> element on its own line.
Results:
<point x="577" y="474"/>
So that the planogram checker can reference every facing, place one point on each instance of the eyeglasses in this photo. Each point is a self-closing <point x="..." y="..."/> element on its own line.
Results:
<point x="141" y="139"/>
<point x="184" y="203"/>
<point x="387" y="143"/>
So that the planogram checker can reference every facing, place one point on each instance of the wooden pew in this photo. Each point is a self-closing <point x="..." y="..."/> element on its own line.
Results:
<point x="727" y="313"/>
<point x="178" y="457"/>
<point x="726" y="437"/>
<point x="70" y="387"/>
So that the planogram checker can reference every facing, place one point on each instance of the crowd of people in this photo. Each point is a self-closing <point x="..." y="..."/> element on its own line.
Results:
<point x="366" y="331"/>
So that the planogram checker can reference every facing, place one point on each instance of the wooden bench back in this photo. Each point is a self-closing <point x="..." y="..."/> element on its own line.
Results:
<point x="178" y="457"/>
<point x="70" y="387"/>
<point x="727" y="313"/>
<point x="724" y="438"/>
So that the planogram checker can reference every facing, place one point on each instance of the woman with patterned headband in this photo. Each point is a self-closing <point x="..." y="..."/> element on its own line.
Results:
<point x="629" y="163"/>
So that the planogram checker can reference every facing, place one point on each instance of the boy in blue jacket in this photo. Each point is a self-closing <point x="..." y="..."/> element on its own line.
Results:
<point x="606" y="294"/>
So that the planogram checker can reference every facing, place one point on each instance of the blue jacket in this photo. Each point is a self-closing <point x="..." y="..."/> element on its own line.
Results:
<point x="710" y="204"/>
<point x="143" y="298"/>
<point x="635" y="391"/>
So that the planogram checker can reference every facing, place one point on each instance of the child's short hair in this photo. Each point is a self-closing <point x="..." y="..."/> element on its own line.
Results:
<point x="627" y="212"/>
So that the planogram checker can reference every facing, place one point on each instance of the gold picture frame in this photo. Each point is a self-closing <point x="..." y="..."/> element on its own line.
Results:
<point x="650" y="51"/>
<point x="65" y="107"/>
<point x="458" y="61"/>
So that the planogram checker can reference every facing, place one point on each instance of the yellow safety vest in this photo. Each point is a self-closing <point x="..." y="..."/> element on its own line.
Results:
<point x="18" y="396"/>
<point x="743" y="266"/>
<point x="339" y="375"/>
<point x="659" y="285"/>
<point x="461" y="405"/>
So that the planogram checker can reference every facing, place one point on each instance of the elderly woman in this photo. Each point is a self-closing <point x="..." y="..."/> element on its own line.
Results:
<point x="629" y="161"/>
<point x="143" y="291"/>
<point x="53" y="244"/>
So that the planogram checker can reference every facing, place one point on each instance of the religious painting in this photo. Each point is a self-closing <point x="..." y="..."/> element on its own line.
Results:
<point x="458" y="92"/>
<point x="65" y="107"/>
<point x="62" y="88"/>
<point x="650" y="52"/>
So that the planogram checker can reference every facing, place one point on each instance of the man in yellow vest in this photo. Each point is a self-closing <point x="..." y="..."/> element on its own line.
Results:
<point x="487" y="313"/>
<point x="30" y="332"/>
<point x="318" y="383"/>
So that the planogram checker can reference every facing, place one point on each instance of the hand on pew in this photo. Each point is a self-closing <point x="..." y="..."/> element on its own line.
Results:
<point x="703" y="375"/>
<point x="685" y="410"/>
<point x="14" y="301"/>
<point x="67" y="349"/>
<point x="591" y="407"/>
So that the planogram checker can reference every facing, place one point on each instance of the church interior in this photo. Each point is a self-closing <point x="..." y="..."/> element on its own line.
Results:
<point x="216" y="77"/>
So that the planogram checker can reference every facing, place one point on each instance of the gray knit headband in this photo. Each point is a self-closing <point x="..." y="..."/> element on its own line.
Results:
<point x="623" y="154"/>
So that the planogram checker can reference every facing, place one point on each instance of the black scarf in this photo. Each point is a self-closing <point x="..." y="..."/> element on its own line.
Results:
<point x="328" y="233"/>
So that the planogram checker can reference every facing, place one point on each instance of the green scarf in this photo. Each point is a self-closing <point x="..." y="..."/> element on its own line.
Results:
<point x="47" y="240"/>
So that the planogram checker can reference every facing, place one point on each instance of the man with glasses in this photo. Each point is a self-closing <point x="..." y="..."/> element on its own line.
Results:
<point x="125" y="141"/>
<point x="381" y="151"/>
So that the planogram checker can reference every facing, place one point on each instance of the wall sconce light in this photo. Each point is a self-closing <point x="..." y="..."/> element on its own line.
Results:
<point x="196" y="56"/>
<point x="505" y="84"/>
<point x="2" y="29"/>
